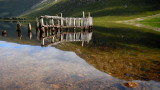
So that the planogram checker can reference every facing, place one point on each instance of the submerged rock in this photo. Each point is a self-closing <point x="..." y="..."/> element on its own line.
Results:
<point x="130" y="84"/>
<point x="4" y="33"/>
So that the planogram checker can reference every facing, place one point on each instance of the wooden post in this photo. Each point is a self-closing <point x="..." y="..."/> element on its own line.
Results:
<point x="46" y="29"/>
<point x="83" y="15"/>
<point x="90" y="21"/>
<point x="58" y="23"/>
<point x="19" y="34"/>
<point x="82" y="43"/>
<point x="70" y="21"/>
<point x="74" y="29"/>
<point x="52" y="22"/>
<point x="41" y="21"/>
<point x="37" y="34"/>
<point x="18" y="26"/>
<point x="84" y="20"/>
<point x="89" y="15"/>
<point x="42" y="29"/>
<point x="42" y="35"/>
<point x="81" y="22"/>
<point x="74" y="22"/>
<point x="74" y="36"/>
<point x="30" y="35"/>
<point x="87" y="22"/>
<point x="29" y="27"/>
<point x="37" y="24"/>
<point x="61" y="37"/>
<point x="53" y="30"/>
<point x="52" y="39"/>
<point x="61" y="20"/>
<point x="42" y="41"/>
<point x="61" y="29"/>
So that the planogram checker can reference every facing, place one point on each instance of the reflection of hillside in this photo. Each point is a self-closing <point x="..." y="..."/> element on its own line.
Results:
<point x="125" y="53"/>
<point x="126" y="65"/>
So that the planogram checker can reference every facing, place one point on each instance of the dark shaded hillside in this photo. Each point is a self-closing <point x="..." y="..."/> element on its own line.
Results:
<point x="121" y="9"/>
<point x="15" y="7"/>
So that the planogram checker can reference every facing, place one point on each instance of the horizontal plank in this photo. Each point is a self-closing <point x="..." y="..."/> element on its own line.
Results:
<point x="58" y="26"/>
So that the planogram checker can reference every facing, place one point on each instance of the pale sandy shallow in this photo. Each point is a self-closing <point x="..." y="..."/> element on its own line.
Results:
<point x="33" y="67"/>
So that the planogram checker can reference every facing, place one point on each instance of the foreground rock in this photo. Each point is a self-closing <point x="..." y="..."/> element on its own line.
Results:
<point x="130" y="84"/>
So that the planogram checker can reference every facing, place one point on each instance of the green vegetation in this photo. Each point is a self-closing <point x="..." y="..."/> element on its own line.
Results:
<point x="102" y="10"/>
<point x="11" y="8"/>
<point x="152" y="24"/>
<point x="156" y="19"/>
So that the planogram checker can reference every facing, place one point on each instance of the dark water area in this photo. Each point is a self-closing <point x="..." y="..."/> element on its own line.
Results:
<point x="106" y="58"/>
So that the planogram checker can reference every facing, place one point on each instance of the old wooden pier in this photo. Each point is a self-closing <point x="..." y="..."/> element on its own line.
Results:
<point x="53" y="28"/>
<point x="66" y="22"/>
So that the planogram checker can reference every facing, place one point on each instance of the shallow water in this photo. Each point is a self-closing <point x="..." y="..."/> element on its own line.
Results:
<point x="24" y="64"/>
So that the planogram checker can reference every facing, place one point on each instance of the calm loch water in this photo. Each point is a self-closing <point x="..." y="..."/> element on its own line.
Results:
<point x="104" y="59"/>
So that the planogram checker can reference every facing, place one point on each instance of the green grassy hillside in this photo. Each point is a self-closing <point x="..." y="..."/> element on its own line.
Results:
<point x="107" y="10"/>
<point x="15" y="7"/>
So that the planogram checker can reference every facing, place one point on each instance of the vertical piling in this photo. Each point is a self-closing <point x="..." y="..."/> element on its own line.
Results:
<point x="74" y="29"/>
<point x="74" y="22"/>
<point x="19" y="34"/>
<point x="37" y="24"/>
<point x="30" y="35"/>
<point x="42" y="41"/>
<point x="46" y="29"/>
<point x="29" y="27"/>
<point x="18" y="26"/>
<point x="61" y="20"/>
<point x="52" y="39"/>
<point x="61" y="29"/>
<point x="37" y="34"/>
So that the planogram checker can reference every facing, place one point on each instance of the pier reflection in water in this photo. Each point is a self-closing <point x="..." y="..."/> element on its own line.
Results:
<point x="66" y="37"/>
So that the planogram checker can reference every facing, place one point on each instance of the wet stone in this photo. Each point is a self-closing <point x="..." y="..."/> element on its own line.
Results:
<point x="130" y="84"/>
<point x="4" y="33"/>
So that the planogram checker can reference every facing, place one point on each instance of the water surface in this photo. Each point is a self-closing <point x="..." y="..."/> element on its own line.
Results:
<point x="115" y="55"/>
